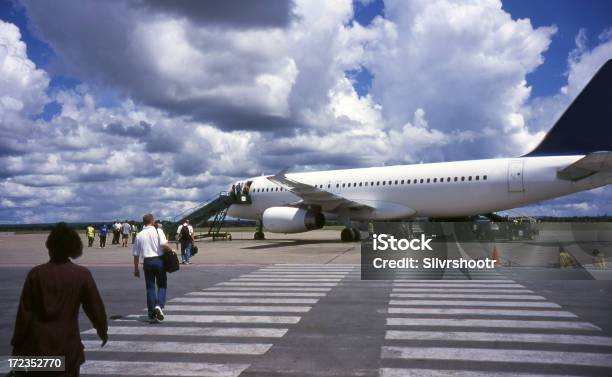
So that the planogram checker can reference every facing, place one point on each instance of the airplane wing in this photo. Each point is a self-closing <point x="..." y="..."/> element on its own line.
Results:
<point x="588" y="165"/>
<point x="312" y="195"/>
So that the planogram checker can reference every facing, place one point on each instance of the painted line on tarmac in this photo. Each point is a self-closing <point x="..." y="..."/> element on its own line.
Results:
<point x="286" y="279"/>
<point x="177" y="318"/>
<point x="317" y="265"/>
<point x="148" y="368"/>
<point x="499" y="337"/>
<point x="496" y="323"/>
<point x="267" y="289"/>
<point x="241" y="332"/>
<point x="247" y="300"/>
<point x="485" y="312"/>
<point x="311" y="268"/>
<point x="454" y="282"/>
<point x="412" y="372"/>
<point x="238" y="308"/>
<point x="460" y="283"/>
<point x="497" y="355"/>
<point x="276" y="284"/>
<point x="526" y="304"/>
<point x="465" y="295"/>
<point x="292" y="274"/>
<point x="177" y="347"/>
<point x="329" y="272"/>
<point x="463" y="290"/>
<point x="257" y="293"/>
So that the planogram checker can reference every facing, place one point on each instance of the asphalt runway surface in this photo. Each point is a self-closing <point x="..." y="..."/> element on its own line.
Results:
<point x="297" y="307"/>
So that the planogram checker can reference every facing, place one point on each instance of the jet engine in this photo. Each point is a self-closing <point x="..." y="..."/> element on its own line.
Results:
<point x="291" y="220"/>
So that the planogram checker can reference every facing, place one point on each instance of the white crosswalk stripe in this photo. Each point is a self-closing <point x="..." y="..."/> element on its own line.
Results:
<point x="246" y="300"/>
<point x="254" y="332"/>
<point x="465" y="295"/>
<point x="462" y="290"/>
<point x="498" y="355"/>
<point x="178" y="347"/>
<point x="473" y="311"/>
<point x="258" y="293"/>
<point x="495" y="323"/>
<point x="400" y="372"/>
<point x="461" y="284"/>
<point x="294" y="275"/>
<point x="239" y="308"/>
<point x="148" y="368"/>
<point x="180" y="318"/>
<point x="458" y="283"/>
<point x="267" y="302"/>
<point x="498" y="303"/>
<point x="594" y="340"/>
<point x="285" y="279"/>
<point x="268" y="289"/>
<point x="276" y="284"/>
<point x="485" y="312"/>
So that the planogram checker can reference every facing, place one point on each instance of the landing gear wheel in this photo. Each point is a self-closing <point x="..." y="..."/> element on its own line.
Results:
<point x="346" y="235"/>
<point x="259" y="236"/>
<point x="356" y="234"/>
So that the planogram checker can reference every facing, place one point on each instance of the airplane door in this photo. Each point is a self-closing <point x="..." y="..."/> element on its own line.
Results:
<point x="515" y="176"/>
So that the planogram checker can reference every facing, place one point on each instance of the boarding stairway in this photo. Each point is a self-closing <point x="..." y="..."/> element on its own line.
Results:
<point x="215" y="209"/>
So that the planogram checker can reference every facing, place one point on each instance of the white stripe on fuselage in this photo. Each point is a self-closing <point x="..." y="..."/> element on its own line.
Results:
<point x="435" y="198"/>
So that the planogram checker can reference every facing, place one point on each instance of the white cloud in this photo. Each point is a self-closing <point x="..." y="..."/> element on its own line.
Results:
<point x="22" y="85"/>
<point x="463" y="63"/>
<point x="202" y="104"/>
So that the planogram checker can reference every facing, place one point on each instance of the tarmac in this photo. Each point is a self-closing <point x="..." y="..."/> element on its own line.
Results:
<point x="295" y="305"/>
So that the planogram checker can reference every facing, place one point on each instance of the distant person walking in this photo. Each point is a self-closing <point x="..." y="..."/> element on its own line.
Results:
<point x="134" y="232"/>
<point x="150" y="245"/>
<point x="48" y="315"/>
<point x="91" y="234"/>
<point x="102" y="235"/>
<point x="126" y="230"/>
<point x="184" y="234"/>
<point x="116" y="232"/>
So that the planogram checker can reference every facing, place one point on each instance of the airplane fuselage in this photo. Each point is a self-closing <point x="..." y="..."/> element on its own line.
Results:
<point x="446" y="189"/>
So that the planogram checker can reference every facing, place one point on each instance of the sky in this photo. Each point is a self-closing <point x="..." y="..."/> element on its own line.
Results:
<point x="109" y="110"/>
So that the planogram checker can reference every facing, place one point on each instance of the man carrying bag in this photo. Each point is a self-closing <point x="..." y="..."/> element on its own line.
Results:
<point x="152" y="246"/>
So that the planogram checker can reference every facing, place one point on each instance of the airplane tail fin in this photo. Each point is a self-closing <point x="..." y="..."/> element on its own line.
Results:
<point x="586" y="125"/>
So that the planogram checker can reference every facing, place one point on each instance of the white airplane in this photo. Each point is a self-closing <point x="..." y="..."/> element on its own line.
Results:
<point x="575" y="155"/>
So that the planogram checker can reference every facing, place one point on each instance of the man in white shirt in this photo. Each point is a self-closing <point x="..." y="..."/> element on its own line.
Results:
<point x="116" y="232"/>
<point x="184" y="234"/>
<point x="150" y="245"/>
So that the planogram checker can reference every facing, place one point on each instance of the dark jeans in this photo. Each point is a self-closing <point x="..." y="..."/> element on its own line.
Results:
<point x="155" y="275"/>
<point x="103" y="241"/>
<point x="186" y="250"/>
<point x="90" y="241"/>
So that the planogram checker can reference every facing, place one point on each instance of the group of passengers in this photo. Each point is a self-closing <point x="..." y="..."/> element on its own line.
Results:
<point x="121" y="230"/>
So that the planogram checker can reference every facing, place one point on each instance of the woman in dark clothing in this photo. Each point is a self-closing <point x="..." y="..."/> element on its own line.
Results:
<point x="47" y="318"/>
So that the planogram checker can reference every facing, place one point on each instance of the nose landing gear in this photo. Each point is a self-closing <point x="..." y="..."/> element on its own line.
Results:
<point x="259" y="234"/>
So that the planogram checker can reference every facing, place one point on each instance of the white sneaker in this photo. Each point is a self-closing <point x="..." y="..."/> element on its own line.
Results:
<point x="159" y="314"/>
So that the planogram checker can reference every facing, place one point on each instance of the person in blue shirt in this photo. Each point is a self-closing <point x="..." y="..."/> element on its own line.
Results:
<point x="102" y="233"/>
